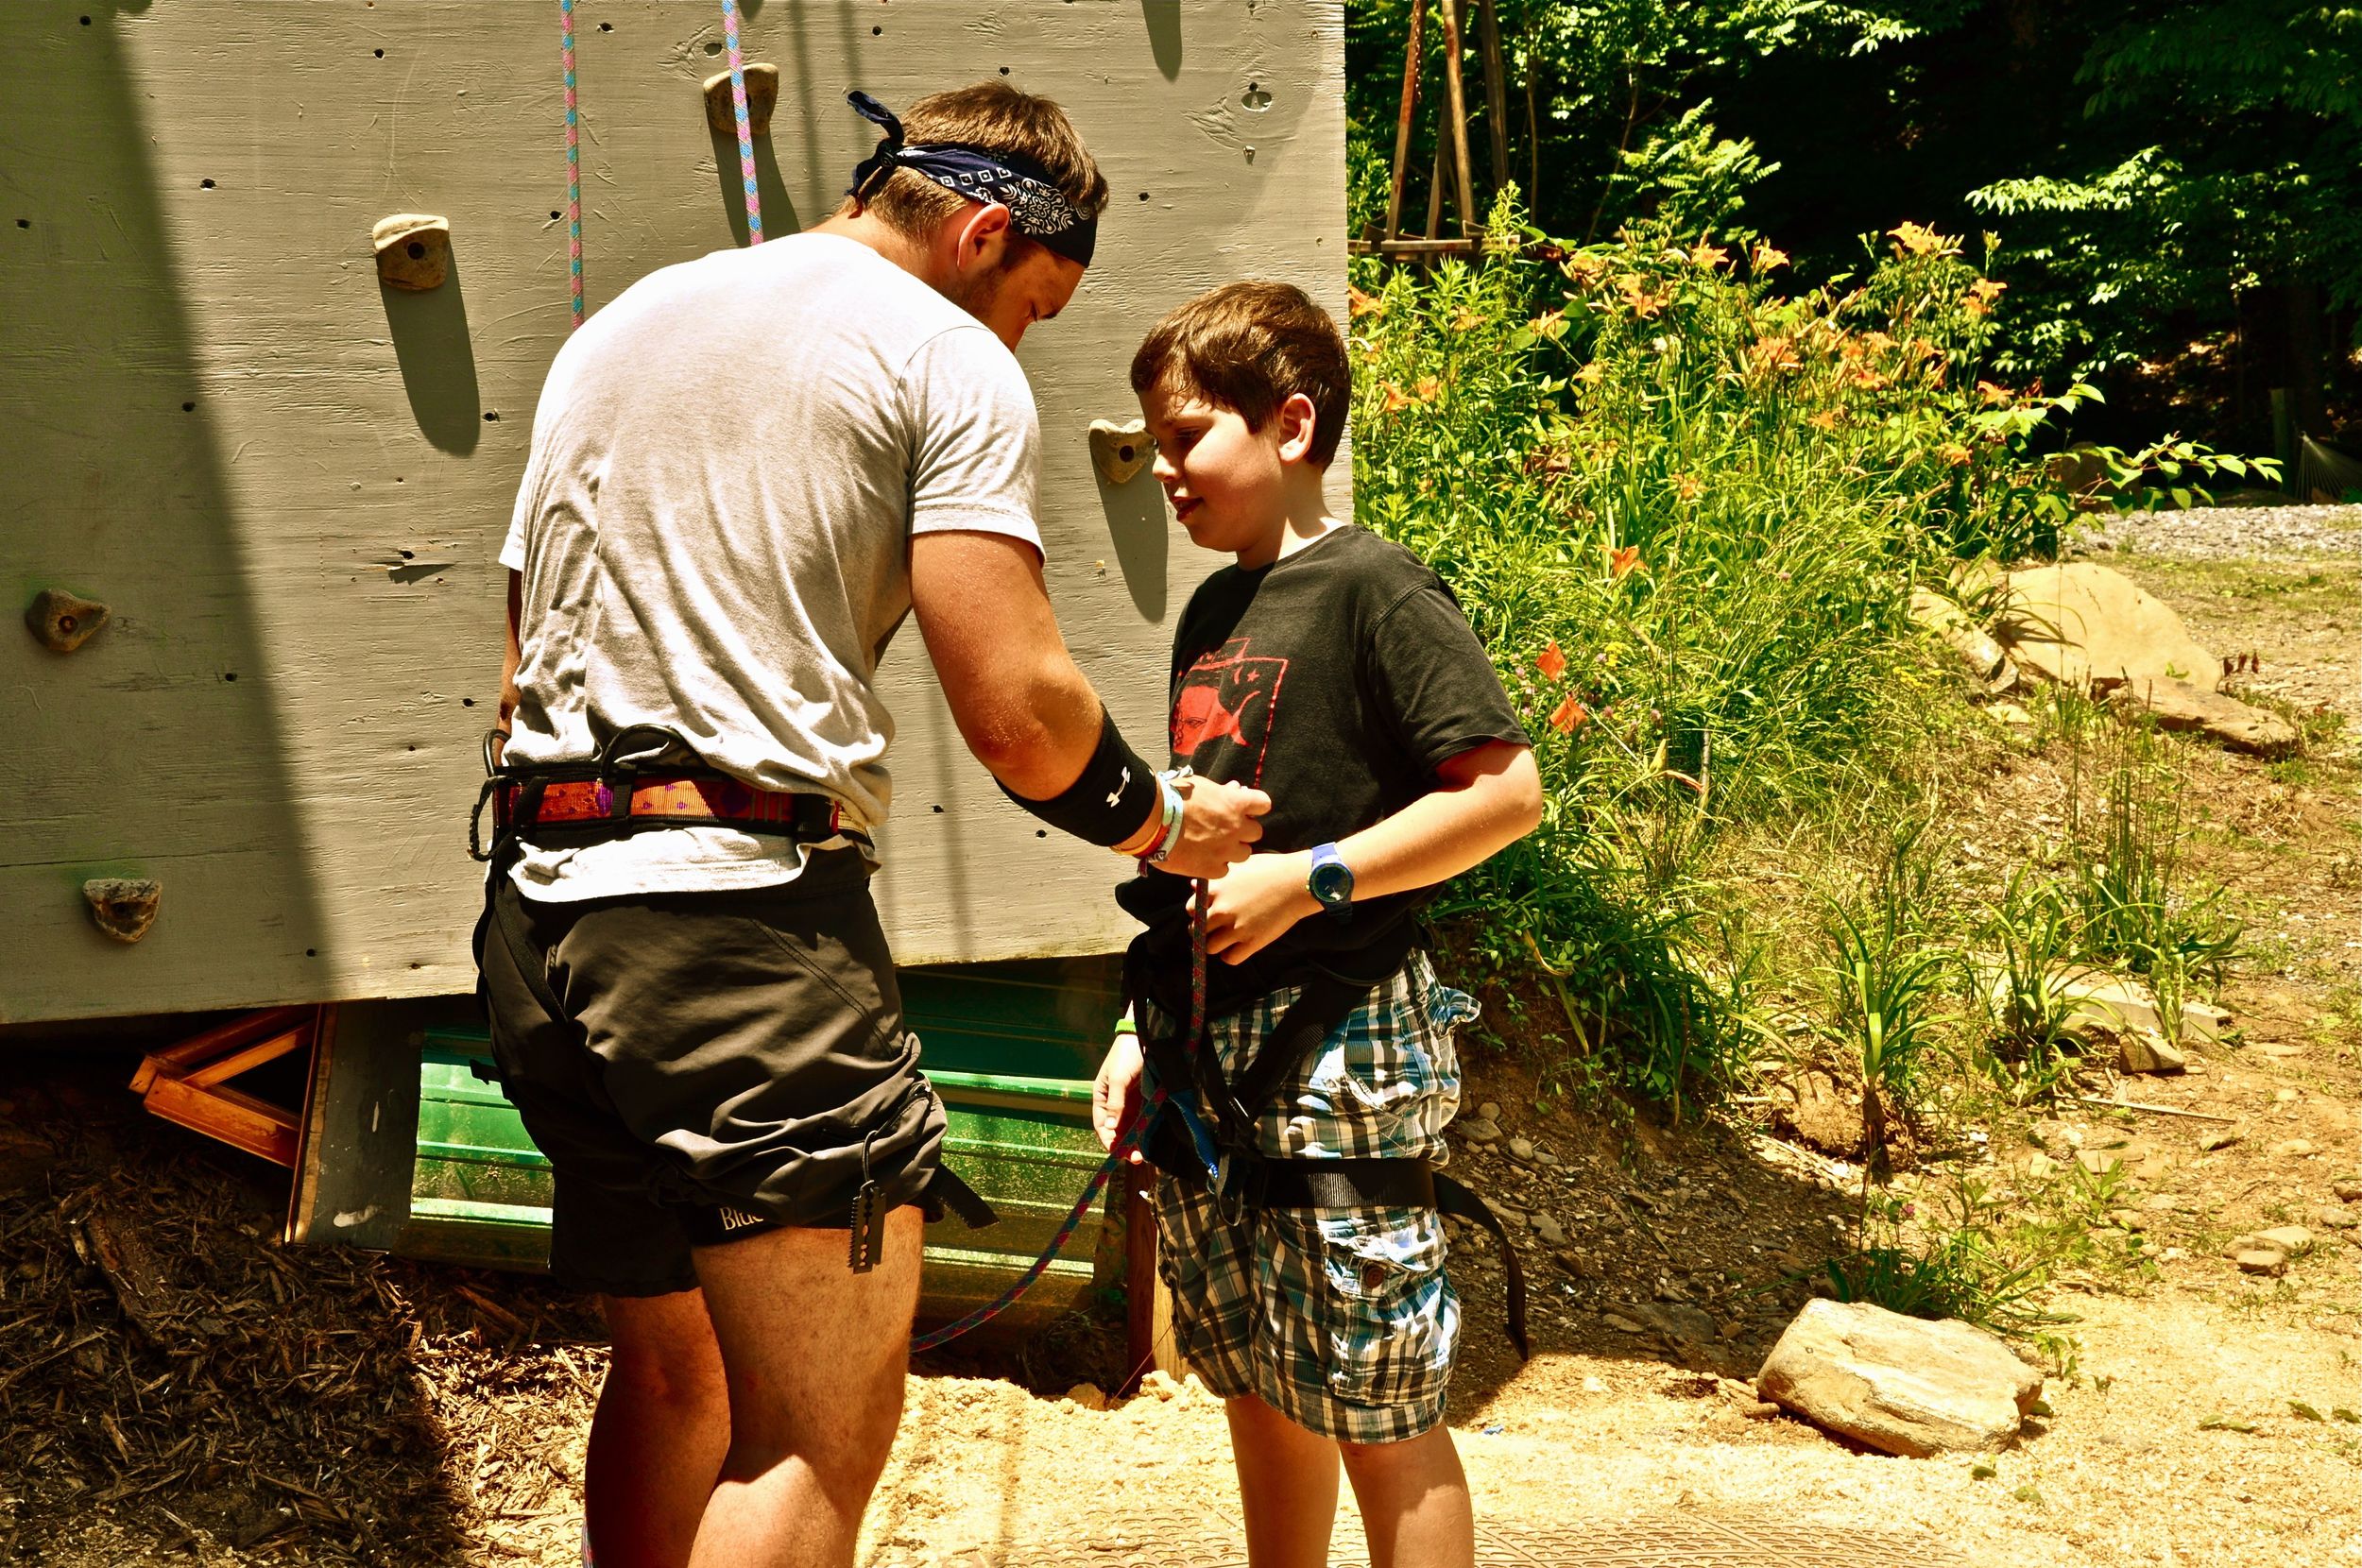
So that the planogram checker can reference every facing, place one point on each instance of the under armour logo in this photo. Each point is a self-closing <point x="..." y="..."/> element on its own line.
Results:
<point x="1117" y="794"/>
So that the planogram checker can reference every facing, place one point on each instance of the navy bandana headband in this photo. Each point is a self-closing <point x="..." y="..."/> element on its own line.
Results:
<point x="1037" y="209"/>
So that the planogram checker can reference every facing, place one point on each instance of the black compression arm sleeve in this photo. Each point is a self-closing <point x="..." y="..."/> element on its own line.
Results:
<point x="1112" y="799"/>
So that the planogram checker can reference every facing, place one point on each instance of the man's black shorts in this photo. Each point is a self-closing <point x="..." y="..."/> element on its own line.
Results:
<point x="701" y="1067"/>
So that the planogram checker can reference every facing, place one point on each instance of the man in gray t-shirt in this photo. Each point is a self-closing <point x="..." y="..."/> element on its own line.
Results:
<point x="745" y="473"/>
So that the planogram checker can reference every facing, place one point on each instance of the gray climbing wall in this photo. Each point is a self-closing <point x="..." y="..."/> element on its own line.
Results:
<point x="287" y="482"/>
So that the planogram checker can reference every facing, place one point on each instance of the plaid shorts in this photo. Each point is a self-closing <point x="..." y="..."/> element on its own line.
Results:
<point x="1346" y="1322"/>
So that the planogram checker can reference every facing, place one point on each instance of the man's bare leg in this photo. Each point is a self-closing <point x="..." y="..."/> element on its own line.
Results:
<point x="813" y="1355"/>
<point x="658" y="1438"/>
<point x="1287" y="1486"/>
<point x="1415" y="1501"/>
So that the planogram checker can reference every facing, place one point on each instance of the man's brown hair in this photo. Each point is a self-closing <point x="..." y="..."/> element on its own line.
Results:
<point x="994" y="117"/>
<point x="1249" y="347"/>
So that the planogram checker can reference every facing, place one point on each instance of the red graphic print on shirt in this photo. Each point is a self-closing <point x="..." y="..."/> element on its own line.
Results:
<point x="1226" y="696"/>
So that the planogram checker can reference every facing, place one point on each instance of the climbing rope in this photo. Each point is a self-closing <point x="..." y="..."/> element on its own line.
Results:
<point x="573" y="158"/>
<point x="1116" y="1156"/>
<point x="745" y="129"/>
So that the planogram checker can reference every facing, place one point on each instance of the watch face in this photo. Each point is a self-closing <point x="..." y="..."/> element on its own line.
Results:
<point x="1332" y="882"/>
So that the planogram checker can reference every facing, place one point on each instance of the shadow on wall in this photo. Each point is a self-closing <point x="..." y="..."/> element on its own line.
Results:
<point x="1164" y="34"/>
<point x="154" y="750"/>
<point x="1136" y="524"/>
<point x="430" y="331"/>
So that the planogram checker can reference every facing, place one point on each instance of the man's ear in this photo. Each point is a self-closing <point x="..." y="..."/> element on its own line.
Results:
<point x="981" y="233"/>
<point x="1298" y="423"/>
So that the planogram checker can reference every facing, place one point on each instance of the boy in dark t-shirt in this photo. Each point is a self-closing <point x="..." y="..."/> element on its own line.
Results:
<point x="1333" y="670"/>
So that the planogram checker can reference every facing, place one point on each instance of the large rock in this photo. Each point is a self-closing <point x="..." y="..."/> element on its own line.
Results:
<point x="2179" y="705"/>
<point x="1902" y="1385"/>
<point x="2078" y="623"/>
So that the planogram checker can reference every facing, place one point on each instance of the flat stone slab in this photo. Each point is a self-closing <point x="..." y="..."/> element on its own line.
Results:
<point x="1193" y="1539"/>
<point x="2190" y="709"/>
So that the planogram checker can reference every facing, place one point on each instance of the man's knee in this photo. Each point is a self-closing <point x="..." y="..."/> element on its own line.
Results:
<point x="664" y="1355"/>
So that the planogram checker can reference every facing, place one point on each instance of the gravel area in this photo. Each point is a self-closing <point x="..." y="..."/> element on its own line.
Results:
<point x="2226" y="533"/>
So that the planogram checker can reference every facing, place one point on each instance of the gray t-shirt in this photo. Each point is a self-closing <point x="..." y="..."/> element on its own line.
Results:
<point x="728" y="464"/>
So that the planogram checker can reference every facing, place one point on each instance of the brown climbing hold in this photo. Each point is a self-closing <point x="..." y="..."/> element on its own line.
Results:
<point x="763" y="93"/>
<point x="62" y="622"/>
<point x="123" y="907"/>
<point x="413" y="250"/>
<point x="1121" y="450"/>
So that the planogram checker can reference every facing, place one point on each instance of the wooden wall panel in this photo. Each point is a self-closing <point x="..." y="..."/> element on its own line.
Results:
<point x="290" y="484"/>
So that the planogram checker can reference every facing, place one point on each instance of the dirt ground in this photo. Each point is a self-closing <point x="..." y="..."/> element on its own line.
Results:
<point x="240" y="1403"/>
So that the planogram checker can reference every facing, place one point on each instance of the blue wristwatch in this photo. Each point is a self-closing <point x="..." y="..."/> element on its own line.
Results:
<point x="1332" y="881"/>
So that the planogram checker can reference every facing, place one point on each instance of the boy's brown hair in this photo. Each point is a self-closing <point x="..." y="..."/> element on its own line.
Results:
<point x="994" y="117"/>
<point x="1249" y="347"/>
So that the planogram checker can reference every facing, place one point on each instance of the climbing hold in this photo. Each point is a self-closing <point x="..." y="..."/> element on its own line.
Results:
<point x="1121" y="450"/>
<point x="62" y="622"/>
<point x="413" y="250"/>
<point x="123" y="907"/>
<point x="763" y="93"/>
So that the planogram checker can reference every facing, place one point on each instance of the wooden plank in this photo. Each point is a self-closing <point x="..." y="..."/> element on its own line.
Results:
<point x="221" y="1037"/>
<point x="361" y="1122"/>
<point x="231" y="1116"/>
<point x="253" y="1056"/>
<point x="289" y="486"/>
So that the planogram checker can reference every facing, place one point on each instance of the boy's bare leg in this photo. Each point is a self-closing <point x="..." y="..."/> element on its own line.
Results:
<point x="1287" y="1484"/>
<point x="1415" y="1501"/>
<point x="658" y="1437"/>
<point x="815" y="1356"/>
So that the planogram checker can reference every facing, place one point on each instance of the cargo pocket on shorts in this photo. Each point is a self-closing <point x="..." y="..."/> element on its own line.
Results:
<point x="1390" y="1318"/>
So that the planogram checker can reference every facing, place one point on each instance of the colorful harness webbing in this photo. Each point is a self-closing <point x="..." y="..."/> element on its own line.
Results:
<point x="1116" y="1156"/>
<point x="745" y="130"/>
<point x="573" y="158"/>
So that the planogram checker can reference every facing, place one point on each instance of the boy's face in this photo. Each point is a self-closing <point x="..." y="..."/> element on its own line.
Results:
<point x="1225" y="481"/>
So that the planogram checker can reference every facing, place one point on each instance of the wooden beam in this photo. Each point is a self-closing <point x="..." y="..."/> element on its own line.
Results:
<point x="1411" y="54"/>
<point x="1463" y="245"/>
<point x="1496" y="92"/>
<point x="1456" y="99"/>
<point x="229" y="1066"/>
<point x="234" y="1117"/>
<point x="212" y="1042"/>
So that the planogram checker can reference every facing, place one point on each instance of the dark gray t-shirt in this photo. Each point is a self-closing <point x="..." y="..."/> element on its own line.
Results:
<point x="728" y="463"/>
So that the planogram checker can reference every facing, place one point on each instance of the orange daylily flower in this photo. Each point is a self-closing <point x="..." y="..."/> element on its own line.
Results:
<point x="1915" y="239"/>
<point x="1708" y="256"/>
<point x="1621" y="562"/>
<point x="1826" y="420"/>
<point x="1568" y="715"/>
<point x="1954" y="454"/>
<point x="1426" y="388"/>
<point x="1551" y="663"/>
<point x="1394" y="399"/>
<point x="1992" y="392"/>
<point x="1770" y="256"/>
<point x="1358" y="303"/>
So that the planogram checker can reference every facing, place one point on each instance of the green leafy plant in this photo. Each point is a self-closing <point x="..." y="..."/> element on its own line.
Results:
<point x="2032" y="939"/>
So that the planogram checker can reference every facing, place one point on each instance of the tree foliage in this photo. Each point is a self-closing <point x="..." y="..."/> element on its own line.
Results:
<point x="2141" y="164"/>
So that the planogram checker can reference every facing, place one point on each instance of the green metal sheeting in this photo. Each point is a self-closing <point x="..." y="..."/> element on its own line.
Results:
<point x="1010" y="1046"/>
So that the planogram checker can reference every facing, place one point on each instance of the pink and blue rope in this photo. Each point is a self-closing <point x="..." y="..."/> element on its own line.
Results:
<point x="745" y="129"/>
<point x="574" y="159"/>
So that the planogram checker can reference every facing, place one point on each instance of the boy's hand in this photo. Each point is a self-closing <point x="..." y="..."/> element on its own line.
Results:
<point x="1254" y="904"/>
<point x="1116" y="1092"/>
<point x="1219" y="826"/>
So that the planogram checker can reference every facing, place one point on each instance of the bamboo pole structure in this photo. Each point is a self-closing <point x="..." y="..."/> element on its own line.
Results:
<point x="1457" y="101"/>
<point x="1410" y="62"/>
<point x="1495" y="91"/>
